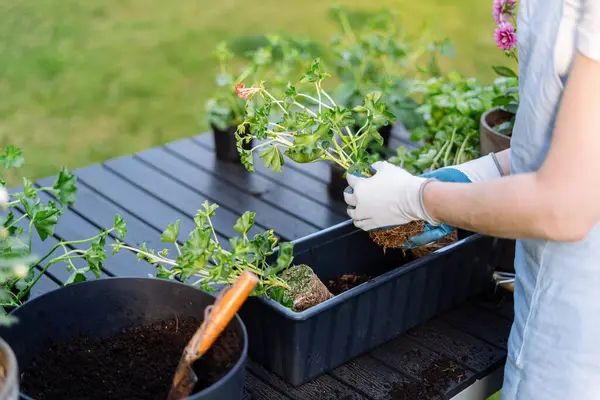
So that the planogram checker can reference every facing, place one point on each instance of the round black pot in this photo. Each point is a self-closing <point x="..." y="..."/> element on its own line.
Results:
<point x="226" y="145"/>
<point x="101" y="307"/>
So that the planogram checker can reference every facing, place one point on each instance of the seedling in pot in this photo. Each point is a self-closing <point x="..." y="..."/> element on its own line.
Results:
<point x="316" y="128"/>
<point x="203" y="262"/>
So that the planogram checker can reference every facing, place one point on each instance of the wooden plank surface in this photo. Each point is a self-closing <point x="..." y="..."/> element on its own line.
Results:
<point x="156" y="187"/>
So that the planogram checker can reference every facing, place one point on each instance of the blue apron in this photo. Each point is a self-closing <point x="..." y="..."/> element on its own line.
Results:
<point x="554" y="345"/>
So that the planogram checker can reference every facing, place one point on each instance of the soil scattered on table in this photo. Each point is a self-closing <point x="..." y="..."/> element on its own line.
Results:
<point x="346" y="282"/>
<point x="436" y="379"/>
<point x="136" y="363"/>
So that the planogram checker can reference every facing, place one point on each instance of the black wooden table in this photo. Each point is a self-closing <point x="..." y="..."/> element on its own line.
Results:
<point x="155" y="187"/>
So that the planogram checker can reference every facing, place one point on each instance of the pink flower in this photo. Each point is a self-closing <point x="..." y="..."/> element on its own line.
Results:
<point x="245" y="93"/>
<point x="505" y="36"/>
<point x="503" y="10"/>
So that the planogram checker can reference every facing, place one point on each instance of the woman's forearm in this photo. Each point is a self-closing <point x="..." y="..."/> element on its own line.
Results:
<point x="514" y="207"/>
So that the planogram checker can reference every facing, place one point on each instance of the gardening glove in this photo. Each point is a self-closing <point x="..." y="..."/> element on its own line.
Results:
<point x="479" y="170"/>
<point x="393" y="197"/>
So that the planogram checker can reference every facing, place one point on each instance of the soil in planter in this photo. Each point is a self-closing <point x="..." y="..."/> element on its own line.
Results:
<point x="436" y="379"/>
<point x="136" y="363"/>
<point x="346" y="282"/>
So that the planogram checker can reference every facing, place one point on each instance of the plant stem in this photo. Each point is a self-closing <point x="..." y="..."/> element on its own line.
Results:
<point x="449" y="148"/>
<point x="318" y="101"/>
<point x="16" y="221"/>
<point x="30" y="235"/>
<point x="154" y="257"/>
<point x="326" y="95"/>
<point x="177" y="247"/>
<point x="308" y="110"/>
<point x="275" y="100"/>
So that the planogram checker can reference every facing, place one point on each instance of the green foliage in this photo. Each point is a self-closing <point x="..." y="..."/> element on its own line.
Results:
<point x="273" y="61"/>
<point x="308" y="128"/>
<point x="451" y="107"/>
<point x="41" y="218"/>
<point x="204" y="262"/>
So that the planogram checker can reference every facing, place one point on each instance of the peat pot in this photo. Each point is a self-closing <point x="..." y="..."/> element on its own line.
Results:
<point x="401" y="292"/>
<point x="225" y="144"/>
<point x="132" y="331"/>
<point x="491" y="140"/>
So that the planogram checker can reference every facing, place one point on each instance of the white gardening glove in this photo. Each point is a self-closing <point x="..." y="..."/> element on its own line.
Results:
<point x="390" y="197"/>
<point x="394" y="197"/>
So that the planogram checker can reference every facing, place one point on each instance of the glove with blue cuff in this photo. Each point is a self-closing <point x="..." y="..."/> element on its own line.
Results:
<point x="393" y="197"/>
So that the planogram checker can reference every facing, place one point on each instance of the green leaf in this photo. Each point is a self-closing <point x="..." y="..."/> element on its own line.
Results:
<point x="504" y="71"/>
<point x="306" y="148"/>
<point x="65" y="187"/>
<point x="45" y="219"/>
<point x="279" y="294"/>
<point x="77" y="276"/>
<point x="171" y="234"/>
<point x="12" y="157"/>
<point x="209" y="209"/>
<point x="245" y="222"/>
<point x="28" y="189"/>
<point x="120" y="226"/>
<point x="446" y="48"/>
<point x="285" y="256"/>
<point x="95" y="256"/>
<point x="272" y="158"/>
<point x="315" y="73"/>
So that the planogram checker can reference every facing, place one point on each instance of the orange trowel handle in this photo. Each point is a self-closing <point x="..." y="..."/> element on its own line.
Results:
<point x="223" y="311"/>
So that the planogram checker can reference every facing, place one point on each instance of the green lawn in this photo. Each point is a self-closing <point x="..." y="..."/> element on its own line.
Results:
<point x="84" y="81"/>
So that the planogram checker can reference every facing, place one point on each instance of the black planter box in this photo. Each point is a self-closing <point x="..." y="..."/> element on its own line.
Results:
<point x="226" y="145"/>
<point x="301" y="346"/>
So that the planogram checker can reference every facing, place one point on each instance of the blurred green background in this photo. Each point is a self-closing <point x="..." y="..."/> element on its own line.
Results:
<point x="84" y="81"/>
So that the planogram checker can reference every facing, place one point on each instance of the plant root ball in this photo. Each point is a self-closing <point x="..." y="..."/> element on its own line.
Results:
<point x="395" y="237"/>
<point x="306" y="289"/>
<point x="430" y="248"/>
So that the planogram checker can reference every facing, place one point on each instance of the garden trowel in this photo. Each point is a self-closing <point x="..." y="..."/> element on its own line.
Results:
<point x="216" y="319"/>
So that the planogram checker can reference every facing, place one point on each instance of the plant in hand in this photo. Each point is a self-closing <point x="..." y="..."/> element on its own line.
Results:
<point x="202" y="261"/>
<point x="315" y="128"/>
<point x="39" y="218"/>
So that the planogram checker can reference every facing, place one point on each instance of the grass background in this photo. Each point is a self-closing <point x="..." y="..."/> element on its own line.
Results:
<point x="82" y="82"/>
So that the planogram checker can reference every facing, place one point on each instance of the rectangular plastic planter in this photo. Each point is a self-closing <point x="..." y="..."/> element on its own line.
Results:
<point x="299" y="346"/>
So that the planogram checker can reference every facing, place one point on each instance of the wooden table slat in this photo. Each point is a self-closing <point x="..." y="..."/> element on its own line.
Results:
<point x="137" y="202"/>
<point x="206" y="187"/>
<point x="291" y="178"/>
<point x="273" y="193"/>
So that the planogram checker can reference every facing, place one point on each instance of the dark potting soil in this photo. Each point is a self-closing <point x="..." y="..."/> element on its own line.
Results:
<point x="346" y="282"/>
<point x="436" y="379"/>
<point x="136" y="363"/>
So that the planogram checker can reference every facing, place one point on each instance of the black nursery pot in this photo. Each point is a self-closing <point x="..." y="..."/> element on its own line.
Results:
<point x="225" y="144"/>
<point x="104" y="307"/>
<point x="337" y="182"/>
<point x="299" y="346"/>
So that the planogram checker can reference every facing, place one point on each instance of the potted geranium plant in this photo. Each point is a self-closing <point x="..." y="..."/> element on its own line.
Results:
<point x="497" y="123"/>
<point x="225" y="111"/>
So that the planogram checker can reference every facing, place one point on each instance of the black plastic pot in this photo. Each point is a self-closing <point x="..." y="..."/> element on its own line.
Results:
<point x="225" y="144"/>
<point x="337" y="182"/>
<point x="102" y="307"/>
<point x="299" y="346"/>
